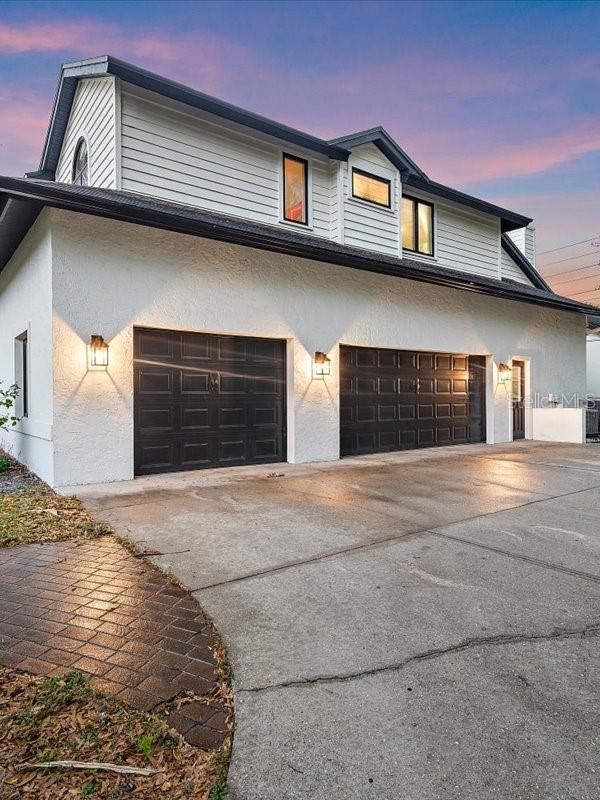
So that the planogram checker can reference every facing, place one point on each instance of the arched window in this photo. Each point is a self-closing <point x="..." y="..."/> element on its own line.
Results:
<point x="80" y="164"/>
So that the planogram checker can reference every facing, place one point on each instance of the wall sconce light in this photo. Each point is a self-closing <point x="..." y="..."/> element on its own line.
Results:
<point x="504" y="372"/>
<point x="321" y="365"/>
<point x="98" y="351"/>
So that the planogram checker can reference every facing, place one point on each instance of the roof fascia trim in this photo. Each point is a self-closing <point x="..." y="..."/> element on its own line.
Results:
<point x="388" y="146"/>
<point x="523" y="263"/>
<point x="221" y="228"/>
<point x="16" y="219"/>
<point x="510" y="219"/>
<point x="107" y="65"/>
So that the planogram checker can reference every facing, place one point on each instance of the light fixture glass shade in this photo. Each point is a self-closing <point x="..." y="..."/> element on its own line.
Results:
<point x="98" y="351"/>
<point x="321" y="365"/>
<point x="504" y="372"/>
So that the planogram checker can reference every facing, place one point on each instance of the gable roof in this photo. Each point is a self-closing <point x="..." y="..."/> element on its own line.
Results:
<point x="72" y="72"/>
<point x="24" y="198"/>
<point x="338" y="149"/>
<point x="523" y="262"/>
<point x="381" y="139"/>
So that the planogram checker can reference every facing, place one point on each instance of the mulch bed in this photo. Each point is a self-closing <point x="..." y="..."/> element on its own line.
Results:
<point x="64" y="718"/>
<point x="31" y="512"/>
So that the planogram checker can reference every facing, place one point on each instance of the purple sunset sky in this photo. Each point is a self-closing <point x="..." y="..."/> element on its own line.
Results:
<point x="499" y="99"/>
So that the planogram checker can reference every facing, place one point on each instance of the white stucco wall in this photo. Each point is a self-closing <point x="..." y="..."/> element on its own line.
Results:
<point x="109" y="276"/>
<point x="559" y="425"/>
<point x="26" y="305"/>
<point x="593" y="364"/>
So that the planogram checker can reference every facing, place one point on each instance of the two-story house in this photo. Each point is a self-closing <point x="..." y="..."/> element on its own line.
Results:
<point x="186" y="284"/>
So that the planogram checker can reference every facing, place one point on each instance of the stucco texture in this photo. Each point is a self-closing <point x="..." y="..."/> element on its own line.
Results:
<point x="26" y="307"/>
<point x="110" y="276"/>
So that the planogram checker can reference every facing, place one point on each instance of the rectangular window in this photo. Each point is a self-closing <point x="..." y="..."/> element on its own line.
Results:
<point x="371" y="188"/>
<point x="21" y="370"/>
<point x="295" y="189"/>
<point x="417" y="226"/>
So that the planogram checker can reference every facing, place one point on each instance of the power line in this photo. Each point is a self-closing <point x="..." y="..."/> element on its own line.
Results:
<point x="570" y="258"/>
<point x="569" y="271"/>
<point x="587" y="291"/>
<point x="564" y="247"/>
<point x="584" y="278"/>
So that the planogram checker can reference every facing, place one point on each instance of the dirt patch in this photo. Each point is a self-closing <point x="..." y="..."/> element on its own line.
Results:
<point x="63" y="718"/>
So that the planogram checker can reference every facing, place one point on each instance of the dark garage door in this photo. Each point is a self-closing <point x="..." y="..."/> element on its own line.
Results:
<point x="400" y="400"/>
<point x="202" y="400"/>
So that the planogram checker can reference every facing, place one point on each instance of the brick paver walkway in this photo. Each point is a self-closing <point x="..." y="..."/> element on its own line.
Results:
<point x="97" y="608"/>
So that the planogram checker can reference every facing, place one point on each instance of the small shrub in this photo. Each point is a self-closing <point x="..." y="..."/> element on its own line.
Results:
<point x="4" y="464"/>
<point x="7" y="402"/>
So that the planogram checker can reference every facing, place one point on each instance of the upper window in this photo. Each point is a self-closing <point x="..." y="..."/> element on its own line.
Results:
<point x="295" y="189"/>
<point x="417" y="226"/>
<point x="80" y="164"/>
<point x="371" y="188"/>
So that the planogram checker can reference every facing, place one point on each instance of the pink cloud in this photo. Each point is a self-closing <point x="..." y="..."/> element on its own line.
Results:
<point x="50" y="37"/>
<point x="23" y="122"/>
<point x="529" y="158"/>
<point x="206" y="60"/>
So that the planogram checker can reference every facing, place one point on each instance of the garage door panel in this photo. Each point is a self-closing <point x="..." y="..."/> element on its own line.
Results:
<point x="394" y="399"/>
<point x="159" y="419"/>
<point x="220" y="402"/>
<point x="155" y="381"/>
<point x="194" y="382"/>
<point x="151" y="344"/>
<point x="195" y="347"/>
<point x="195" y="418"/>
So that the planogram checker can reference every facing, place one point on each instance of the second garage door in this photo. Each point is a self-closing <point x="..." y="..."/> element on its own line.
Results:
<point x="400" y="399"/>
<point x="202" y="400"/>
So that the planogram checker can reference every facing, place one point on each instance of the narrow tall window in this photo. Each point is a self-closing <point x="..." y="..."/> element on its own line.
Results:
<point x="81" y="175"/>
<point x="417" y="226"/>
<point x="295" y="189"/>
<point x="21" y="370"/>
<point x="371" y="188"/>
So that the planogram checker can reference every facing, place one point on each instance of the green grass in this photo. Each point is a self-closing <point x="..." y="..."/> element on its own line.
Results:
<point x="39" y="515"/>
<point x="146" y="744"/>
<point x="90" y="788"/>
<point x="220" y="791"/>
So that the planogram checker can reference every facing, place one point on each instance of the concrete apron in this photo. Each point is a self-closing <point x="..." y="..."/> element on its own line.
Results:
<point x="414" y="625"/>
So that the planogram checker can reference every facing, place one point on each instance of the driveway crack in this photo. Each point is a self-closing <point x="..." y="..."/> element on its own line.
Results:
<point x="499" y="639"/>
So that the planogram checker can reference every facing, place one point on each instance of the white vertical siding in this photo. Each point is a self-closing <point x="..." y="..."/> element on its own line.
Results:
<point x="524" y="238"/>
<point x="177" y="157"/>
<point x="367" y="225"/>
<point x="463" y="240"/>
<point x="187" y="159"/>
<point x="466" y="242"/>
<point x="321" y="171"/>
<point x="93" y="116"/>
<point x="164" y="151"/>
<point x="511" y="270"/>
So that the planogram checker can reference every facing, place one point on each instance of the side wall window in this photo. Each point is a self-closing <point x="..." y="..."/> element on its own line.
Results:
<point x="81" y="171"/>
<point x="22" y="374"/>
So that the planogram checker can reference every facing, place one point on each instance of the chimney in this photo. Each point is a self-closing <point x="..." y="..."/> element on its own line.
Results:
<point x="524" y="238"/>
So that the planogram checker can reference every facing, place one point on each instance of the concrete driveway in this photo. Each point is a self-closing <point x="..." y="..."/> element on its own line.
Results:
<point x="401" y="627"/>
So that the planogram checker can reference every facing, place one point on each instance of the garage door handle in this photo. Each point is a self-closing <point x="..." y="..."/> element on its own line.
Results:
<point x="214" y="381"/>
